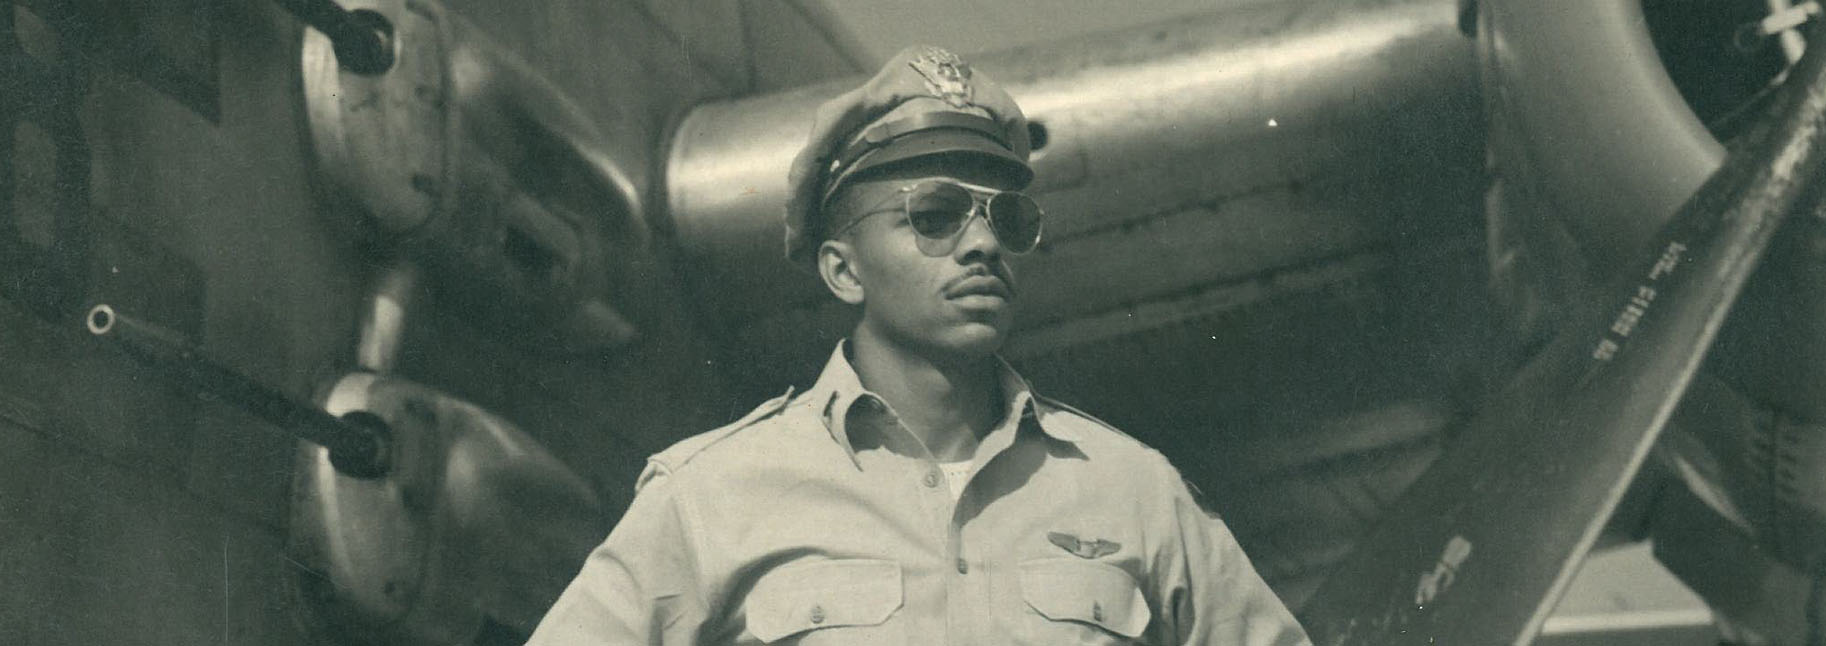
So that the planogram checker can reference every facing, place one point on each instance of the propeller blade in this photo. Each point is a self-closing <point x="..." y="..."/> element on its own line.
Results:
<point x="1481" y="547"/>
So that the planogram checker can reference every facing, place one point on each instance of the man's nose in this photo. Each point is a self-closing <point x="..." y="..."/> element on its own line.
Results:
<point x="978" y="238"/>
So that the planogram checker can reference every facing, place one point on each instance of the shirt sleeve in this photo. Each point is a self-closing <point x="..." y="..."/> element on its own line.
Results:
<point x="638" y="587"/>
<point x="1208" y="591"/>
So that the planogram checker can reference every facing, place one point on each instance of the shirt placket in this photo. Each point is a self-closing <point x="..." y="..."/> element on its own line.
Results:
<point x="934" y="495"/>
<point x="933" y="498"/>
<point x="968" y="584"/>
<point x="955" y="568"/>
<point x="967" y="589"/>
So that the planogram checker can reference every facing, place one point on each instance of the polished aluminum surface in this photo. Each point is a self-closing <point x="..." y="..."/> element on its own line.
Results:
<point x="465" y="160"/>
<point x="1604" y="134"/>
<point x="382" y="141"/>
<point x="1497" y="527"/>
<point x="1139" y="126"/>
<point x="476" y="521"/>
<point x="383" y="317"/>
<point x="1607" y="134"/>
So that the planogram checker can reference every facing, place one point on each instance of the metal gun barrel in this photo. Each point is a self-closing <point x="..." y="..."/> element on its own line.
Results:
<point x="360" y="37"/>
<point x="357" y="441"/>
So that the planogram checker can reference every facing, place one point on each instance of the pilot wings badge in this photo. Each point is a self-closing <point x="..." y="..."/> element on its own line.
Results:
<point x="947" y="76"/>
<point x="1090" y="549"/>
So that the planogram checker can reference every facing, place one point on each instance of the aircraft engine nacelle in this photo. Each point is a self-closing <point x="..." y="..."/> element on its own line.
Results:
<point x="1605" y="117"/>
<point x="1254" y="140"/>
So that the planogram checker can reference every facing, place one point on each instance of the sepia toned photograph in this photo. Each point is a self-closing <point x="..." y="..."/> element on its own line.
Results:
<point x="742" y="322"/>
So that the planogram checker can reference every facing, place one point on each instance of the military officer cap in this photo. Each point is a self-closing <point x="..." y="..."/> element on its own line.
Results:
<point x="925" y="101"/>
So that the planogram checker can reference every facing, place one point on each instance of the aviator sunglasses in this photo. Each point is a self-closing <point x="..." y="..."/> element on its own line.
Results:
<point x="938" y="210"/>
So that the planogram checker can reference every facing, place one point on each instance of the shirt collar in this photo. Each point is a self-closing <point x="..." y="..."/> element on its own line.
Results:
<point x="839" y="388"/>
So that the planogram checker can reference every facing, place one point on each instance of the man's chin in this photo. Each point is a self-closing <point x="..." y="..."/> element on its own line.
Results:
<point x="977" y="338"/>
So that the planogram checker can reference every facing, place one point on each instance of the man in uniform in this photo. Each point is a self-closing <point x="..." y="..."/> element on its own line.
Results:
<point x="920" y="492"/>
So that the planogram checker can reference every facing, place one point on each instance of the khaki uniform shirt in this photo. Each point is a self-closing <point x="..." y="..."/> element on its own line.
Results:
<point x="819" y="519"/>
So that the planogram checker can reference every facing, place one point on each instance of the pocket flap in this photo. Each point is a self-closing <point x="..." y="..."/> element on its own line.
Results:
<point x="1092" y="592"/>
<point x="822" y="594"/>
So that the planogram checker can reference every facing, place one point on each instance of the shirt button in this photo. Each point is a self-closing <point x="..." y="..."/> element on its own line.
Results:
<point x="931" y="478"/>
<point x="817" y="614"/>
<point x="962" y="567"/>
<point x="1096" y="611"/>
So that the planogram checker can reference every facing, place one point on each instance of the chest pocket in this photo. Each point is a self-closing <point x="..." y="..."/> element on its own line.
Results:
<point x="848" y="601"/>
<point x="1073" y="595"/>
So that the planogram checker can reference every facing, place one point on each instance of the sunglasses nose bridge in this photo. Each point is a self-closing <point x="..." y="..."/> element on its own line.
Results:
<point x="979" y="209"/>
<point x="986" y="239"/>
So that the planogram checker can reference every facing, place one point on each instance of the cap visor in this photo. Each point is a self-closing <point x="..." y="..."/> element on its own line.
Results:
<point x="945" y="141"/>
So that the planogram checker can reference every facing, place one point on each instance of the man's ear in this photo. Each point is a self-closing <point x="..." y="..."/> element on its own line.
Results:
<point x="837" y="266"/>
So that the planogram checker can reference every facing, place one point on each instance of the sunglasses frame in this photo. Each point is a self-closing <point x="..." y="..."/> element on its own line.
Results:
<point x="980" y="199"/>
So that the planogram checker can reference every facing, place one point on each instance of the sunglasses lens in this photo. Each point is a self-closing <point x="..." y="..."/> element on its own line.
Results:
<point x="1016" y="219"/>
<point x="938" y="210"/>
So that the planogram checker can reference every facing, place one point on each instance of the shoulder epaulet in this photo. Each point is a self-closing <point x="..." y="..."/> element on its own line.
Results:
<point x="1054" y="403"/>
<point x="1197" y="494"/>
<point x="678" y="454"/>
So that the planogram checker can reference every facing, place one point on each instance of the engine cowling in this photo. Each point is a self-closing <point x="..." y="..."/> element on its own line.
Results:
<point x="1604" y="117"/>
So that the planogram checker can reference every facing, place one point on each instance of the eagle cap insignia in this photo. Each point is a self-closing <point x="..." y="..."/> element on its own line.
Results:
<point x="1094" y="548"/>
<point x="947" y="76"/>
